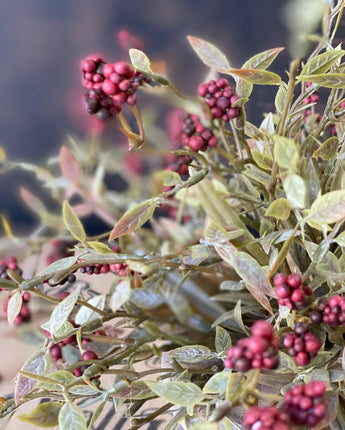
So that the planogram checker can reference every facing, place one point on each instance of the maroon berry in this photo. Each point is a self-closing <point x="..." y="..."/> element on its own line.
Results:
<point x="294" y="280"/>
<point x="279" y="279"/>
<point x="89" y="355"/>
<point x="262" y="329"/>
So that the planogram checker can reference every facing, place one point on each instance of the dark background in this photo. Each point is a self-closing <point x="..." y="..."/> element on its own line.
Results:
<point x="42" y="43"/>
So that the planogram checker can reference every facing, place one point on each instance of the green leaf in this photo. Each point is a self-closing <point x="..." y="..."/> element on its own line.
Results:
<point x="262" y="60"/>
<point x="100" y="247"/>
<point x="328" y="80"/>
<point x="178" y="393"/>
<point x="168" y="177"/>
<point x="327" y="209"/>
<point x="295" y="190"/>
<point x="121" y="294"/>
<point x="262" y="160"/>
<point x="86" y="314"/>
<point x="209" y="54"/>
<point x="60" y="265"/>
<point x="71" y="417"/>
<point x="217" y="383"/>
<point x="72" y="222"/>
<point x="14" y="306"/>
<point x="223" y="339"/>
<point x="285" y="152"/>
<point x="62" y="311"/>
<point x="62" y="378"/>
<point x="133" y="219"/>
<point x="38" y="364"/>
<point x="321" y="63"/>
<point x="7" y="284"/>
<point x="280" y="99"/>
<point x="255" y="76"/>
<point x="244" y="89"/>
<point x="328" y="149"/>
<point x="44" y="415"/>
<point x="192" y="353"/>
<point x="279" y="209"/>
<point x="146" y="298"/>
<point x="140" y="61"/>
<point x="340" y="240"/>
<point x="250" y="271"/>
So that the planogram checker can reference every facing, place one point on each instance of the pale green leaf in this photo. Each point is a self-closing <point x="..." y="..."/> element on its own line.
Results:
<point x="295" y="190"/>
<point x="322" y="62"/>
<point x="285" y="152"/>
<point x="62" y="378"/>
<point x="340" y="240"/>
<point x="71" y="417"/>
<point x="279" y="209"/>
<point x="14" y="306"/>
<point x="262" y="60"/>
<point x="121" y="294"/>
<point x="177" y="392"/>
<point x="217" y="383"/>
<point x="86" y="314"/>
<point x="327" y="80"/>
<point x="140" y="61"/>
<point x="328" y="149"/>
<point x="209" y="54"/>
<point x="192" y="353"/>
<point x="100" y="247"/>
<point x="44" y="415"/>
<point x="60" y="265"/>
<point x="72" y="222"/>
<point x="280" y="99"/>
<point x="327" y="209"/>
<point x="222" y="340"/>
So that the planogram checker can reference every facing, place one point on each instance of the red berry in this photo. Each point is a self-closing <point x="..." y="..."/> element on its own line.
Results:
<point x="262" y="329"/>
<point x="294" y="280"/>
<point x="89" y="355"/>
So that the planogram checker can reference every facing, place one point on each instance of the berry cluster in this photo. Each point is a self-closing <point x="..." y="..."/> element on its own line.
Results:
<point x="24" y="314"/>
<point x="290" y="291"/>
<point x="305" y="404"/>
<point x="178" y="163"/>
<point x="258" y="351"/>
<point x="220" y="98"/>
<point x="265" y="418"/>
<point x="87" y="355"/>
<point x="302" y="345"/>
<point x="10" y="264"/>
<point x="187" y="129"/>
<point x="330" y="311"/>
<point x="110" y="85"/>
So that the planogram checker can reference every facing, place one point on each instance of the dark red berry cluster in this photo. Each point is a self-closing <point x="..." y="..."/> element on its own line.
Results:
<point x="290" y="291"/>
<point x="330" y="311"/>
<point x="110" y="85"/>
<point x="265" y="418"/>
<point x="178" y="164"/>
<point x="220" y="98"/>
<point x="11" y="264"/>
<point x="87" y="355"/>
<point x="302" y="345"/>
<point x="24" y="314"/>
<point x="305" y="404"/>
<point x="187" y="129"/>
<point x="258" y="351"/>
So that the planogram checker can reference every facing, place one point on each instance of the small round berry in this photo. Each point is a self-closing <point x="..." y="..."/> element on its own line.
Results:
<point x="196" y="143"/>
<point x="280" y="278"/>
<point x="262" y="329"/>
<point x="294" y="280"/>
<point x="89" y="355"/>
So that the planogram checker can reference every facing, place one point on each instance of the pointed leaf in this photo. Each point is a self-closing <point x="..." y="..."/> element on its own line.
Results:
<point x="327" y="209"/>
<point x="295" y="190"/>
<point x="209" y="54"/>
<point x="69" y="165"/>
<point x="262" y="60"/>
<point x="328" y="80"/>
<point x="192" y="353"/>
<point x="72" y="222"/>
<point x="328" y="149"/>
<point x="100" y="247"/>
<point x="177" y="392"/>
<point x="321" y="63"/>
<point x="285" y="152"/>
<point x="36" y="364"/>
<point x="140" y="61"/>
<point x="62" y="378"/>
<point x="217" y="383"/>
<point x="86" y="314"/>
<point x="14" y="306"/>
<point x="32" y="201"/>
<point x="133" y="219"/>
<point x="121" y="294"/>
<point x="223" y="339"/>
<point x="62" y="311"/>
<point x="255" y="76"/>
<point x="44" y="415"/>
<point x="250" y="271"/>
<point x="280" y="99"/>
<point x="71" y="417"/>
<point x="60" y="265"/>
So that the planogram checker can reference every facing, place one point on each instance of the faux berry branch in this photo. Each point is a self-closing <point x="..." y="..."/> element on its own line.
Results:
<point x="214" y="291"/>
